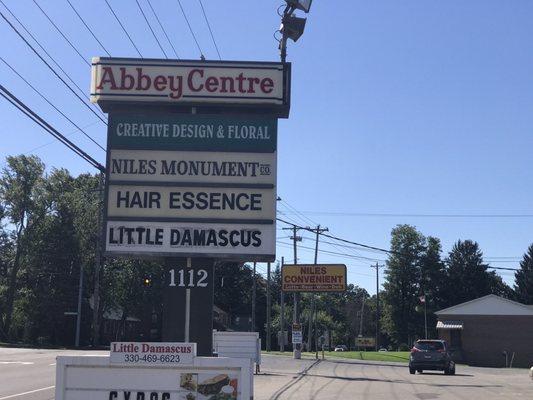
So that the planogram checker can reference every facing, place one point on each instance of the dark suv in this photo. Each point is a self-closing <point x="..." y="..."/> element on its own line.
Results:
<point x="431" y="355"/>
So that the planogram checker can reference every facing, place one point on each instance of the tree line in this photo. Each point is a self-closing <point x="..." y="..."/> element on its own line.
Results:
<point x="48" y="238"/>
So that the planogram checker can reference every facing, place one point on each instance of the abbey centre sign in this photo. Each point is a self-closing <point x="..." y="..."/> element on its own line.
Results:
<point x="191" y="82"/>
<point x="191" y="185"/>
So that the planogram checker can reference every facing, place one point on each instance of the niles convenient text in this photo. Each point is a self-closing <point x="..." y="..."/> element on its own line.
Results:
<point x="195" y="81"/>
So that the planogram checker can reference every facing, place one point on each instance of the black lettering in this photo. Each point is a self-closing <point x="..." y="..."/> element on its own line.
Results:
<point x="211" y="238"/>
<point x="125" y="199"/>
<point x="165" y="396"/>
<point x="127" y="395"/>
<point x="255" y="201"/>
<point x="202" y="201"/>
<point x="155" y="197"/>
<point x="168" y="169"/>
<point x="214" y="201"/>
<point x="140" y="395"/>
<point x="159" y="236"/>
<point x="153" y="396"/>
<point x="113" y="395"/>
<point x="223" y="236"/>
<point x="188" y="201"/>
<point x="186" y="240"/>
<point x="111" y="236"/>
<point x="152" y="164"/>
<point x="239" y="204"/>
<point x="174" y="236"/>
<point x="173" y="200"/>
<point x="256" y="237"/>
<point x="199" y="237"/>
<point x="232" y="241"/>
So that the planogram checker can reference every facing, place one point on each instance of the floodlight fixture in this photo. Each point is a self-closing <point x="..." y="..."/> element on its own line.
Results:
<point x="292" y="27"/>
<point x="303" y="5"/>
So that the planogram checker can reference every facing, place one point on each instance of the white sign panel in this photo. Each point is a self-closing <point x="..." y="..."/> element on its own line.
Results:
<point x="297" y="337"/>
<point x="173" y="81"/>
<point x="192" y="166"/>
<point x="95" y="378"/>
<point x="189" y="239"/>
<point x="190" y="202"/>
<point x="171" y="353"/>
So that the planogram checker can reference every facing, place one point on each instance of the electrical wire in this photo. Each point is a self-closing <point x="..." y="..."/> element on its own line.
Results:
<point x="51" y="104"/>
<point x="11" y="98"/>
<point x="123" y="28"/>
<point x="52" y="142"/>
<point x="190" y="30"/>
<point x="83" y="93"/>
<point x="393" y="215"/>
<point x="88" y="28"/>
<point x="163" y="29"/>
<point x="50" y="67"/>
<point x="210" y="30"/>
<point x="150" y="27"/>
<point x="61" y="33"/>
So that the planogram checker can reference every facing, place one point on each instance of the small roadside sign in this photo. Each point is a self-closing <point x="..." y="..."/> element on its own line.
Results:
<point x="314" y="278"/>
<point x="152" y="353"/>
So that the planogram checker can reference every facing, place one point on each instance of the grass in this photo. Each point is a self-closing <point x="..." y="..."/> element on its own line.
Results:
<point x="395" y="356"/>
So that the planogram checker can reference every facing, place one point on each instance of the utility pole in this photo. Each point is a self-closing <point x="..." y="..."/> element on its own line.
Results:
<point x="253" y="298"/>
<point x="297" y="349"/>
<point x="78" y="316"/>
<point x="377" y="267"/>
<point x="268" y="310"/>
<point x="98" y="264"/>
<point x="318" y="231"/>
<point x="282" y="314"/>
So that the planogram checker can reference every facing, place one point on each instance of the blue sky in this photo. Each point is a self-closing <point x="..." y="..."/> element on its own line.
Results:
<point x="410" y="107"/>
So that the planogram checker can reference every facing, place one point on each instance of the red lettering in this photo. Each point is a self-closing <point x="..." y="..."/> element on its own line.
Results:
<point x="107" y="77"/>
<point x="267" y="85"/>
<point x="240" y="80"/>
<point x="126" y="80"/>
<point x="211" y="84"/>
<point x="175" y="91"/>
<point x="227" y="80"/>
<point x="251" y="82"/>
<point x="142" y="78"/>
<point x="190" y="82"/>
<point x="160" y="83"/>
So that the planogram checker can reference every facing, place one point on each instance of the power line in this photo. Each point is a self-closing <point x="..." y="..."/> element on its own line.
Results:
<point x="10" y="97"/>
<point x="88" y="28"/>
<point x="51" y="104"/>
<point x="163" y="29"/>
<point x="343" y="240"/>
<point x="62" y="34"/>
<point x="123" y="28"/>
<point x="50" y="67"/>
<point x="387" y="215"/>
<point x="329" y="252"/>
<point x="209" y="27"/>
<point x="190" y="30"/>
<point x="150" y="27"/>
<point x="52" y="142"/>
<point x="47" y="53"/>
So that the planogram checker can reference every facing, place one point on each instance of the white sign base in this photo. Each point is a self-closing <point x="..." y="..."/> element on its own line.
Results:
<point x="95" y="378"/>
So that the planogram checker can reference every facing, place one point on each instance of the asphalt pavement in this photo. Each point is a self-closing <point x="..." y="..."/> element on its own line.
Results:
<point x="29" y="374"/>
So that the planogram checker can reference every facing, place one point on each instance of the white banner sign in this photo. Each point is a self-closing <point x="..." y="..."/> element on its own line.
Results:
<point x="171" y="353"/>
<point x="208" y="378"/>
<point x="192" y="166"/>
<point x="173" y="81"/>
<point x="190" y="202"/>
<point x="188" y="239"/>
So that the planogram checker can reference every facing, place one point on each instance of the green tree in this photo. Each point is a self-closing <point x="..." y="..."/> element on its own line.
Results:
<point x="524" y="278"/>
<point x="21" y="196"/>
<point x="468" y="276"/>
<point x="402" y="284"/>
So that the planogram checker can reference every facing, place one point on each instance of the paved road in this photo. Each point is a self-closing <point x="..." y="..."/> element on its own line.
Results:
<point x="284" y="378"/>
<point x="27" y="374"/>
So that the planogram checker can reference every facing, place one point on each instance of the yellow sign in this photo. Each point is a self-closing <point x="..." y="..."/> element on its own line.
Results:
<point x="365" y="342"/>
<point x="313" y="278"/>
